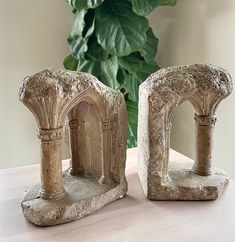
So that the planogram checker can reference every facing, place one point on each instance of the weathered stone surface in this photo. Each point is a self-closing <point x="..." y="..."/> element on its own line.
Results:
<point x="204" y="86"/>
<point x="97" y="119"/>
<point x="84" y="195"/>
<point x="184" y="184"/>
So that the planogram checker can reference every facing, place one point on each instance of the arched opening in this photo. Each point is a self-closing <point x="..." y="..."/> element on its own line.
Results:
<point x="182" y="133"/>
<point x="85" y="140"/>
<point x="91" y="133"/>
<point x="178" y="127"/>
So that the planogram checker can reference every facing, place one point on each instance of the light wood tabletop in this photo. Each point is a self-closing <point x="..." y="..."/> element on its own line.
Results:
<point x="133" y="218"/>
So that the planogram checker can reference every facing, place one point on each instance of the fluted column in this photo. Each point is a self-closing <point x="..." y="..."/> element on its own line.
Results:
<point x="107" y="128"/>
<point x="204" y="144"/>
<point x="51" y="163"/>
<point x="75" y="166"/>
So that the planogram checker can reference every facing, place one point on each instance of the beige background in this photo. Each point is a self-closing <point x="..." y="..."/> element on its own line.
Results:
<point x="33" y="36"/>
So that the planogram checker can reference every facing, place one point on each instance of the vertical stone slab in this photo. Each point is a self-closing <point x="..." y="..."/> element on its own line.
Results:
<point x="204" y="86"/>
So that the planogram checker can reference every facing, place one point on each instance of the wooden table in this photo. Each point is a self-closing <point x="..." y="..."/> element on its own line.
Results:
<point x="132" y="218"/>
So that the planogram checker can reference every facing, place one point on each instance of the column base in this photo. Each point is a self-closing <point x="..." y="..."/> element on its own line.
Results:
<point x="204" y="173"/>
<point x="52" y="196"/>
<point x="84" y="195"/>
<point x="75" y="172"/>
<point x="184" y="184"/>
<point x="106" y="180"/>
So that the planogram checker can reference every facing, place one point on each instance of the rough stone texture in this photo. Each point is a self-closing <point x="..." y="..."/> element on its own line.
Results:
<point x="204" y="86"/>
<point x="184" y="184"/>
<point x="97" y="120"/>
<point x="84" y="195"/>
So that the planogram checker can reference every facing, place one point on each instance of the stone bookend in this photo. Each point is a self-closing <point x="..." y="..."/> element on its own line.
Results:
<point x="97" y="120"/>
<point x="204" y="86"/>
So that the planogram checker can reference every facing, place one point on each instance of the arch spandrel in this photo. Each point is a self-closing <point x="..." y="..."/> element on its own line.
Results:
<point x="54" y="93"/>
<point x="204" y="86"/>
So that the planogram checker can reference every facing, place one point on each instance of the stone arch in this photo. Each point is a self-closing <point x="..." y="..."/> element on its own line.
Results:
<point x="100" y="112"/>
<point x="51" y="95"/>
<point x="204" y="86"/>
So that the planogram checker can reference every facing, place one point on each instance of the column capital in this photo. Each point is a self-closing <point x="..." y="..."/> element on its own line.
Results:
<point x="73" y="124"/>
<point x="205" y="120"/>
<point x="47" y="135"/>
<point x="107" y="125"/>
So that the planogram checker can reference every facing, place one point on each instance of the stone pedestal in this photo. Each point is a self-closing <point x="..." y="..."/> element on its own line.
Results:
<point x="84" y="195"/>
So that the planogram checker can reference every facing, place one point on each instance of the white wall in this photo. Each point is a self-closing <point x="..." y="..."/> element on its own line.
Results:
<point x="200" y="31"/>
<point x="32" y="37"/>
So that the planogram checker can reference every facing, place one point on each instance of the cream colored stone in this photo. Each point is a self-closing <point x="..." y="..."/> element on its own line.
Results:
<point x="97" y="120"/>
<point x="204" y="86"/>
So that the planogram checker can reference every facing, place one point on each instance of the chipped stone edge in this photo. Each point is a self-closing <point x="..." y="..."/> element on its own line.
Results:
<point x="80" y="208"/>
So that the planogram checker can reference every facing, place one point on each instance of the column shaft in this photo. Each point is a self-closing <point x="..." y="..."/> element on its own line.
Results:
<point x="204" y="144"/>
<point x="51" y="163"/>
<point x="107" y="128"/>
<point x="75" y="166"/>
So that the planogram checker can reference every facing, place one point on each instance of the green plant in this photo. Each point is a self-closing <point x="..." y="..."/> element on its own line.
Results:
<point x="112" y="40"/>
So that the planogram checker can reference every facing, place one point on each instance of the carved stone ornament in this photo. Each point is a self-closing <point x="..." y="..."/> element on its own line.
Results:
<point x="97" y="119"/>
<point x="204" y="86"/>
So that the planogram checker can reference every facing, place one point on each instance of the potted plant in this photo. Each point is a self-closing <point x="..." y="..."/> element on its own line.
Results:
<point x="112" y="40"/>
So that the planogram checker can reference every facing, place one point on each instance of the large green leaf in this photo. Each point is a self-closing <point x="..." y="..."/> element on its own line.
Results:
<point x="145" y="7"/>
<point x="70" y="63"/>
<point x="78" y="43"/>
<point x="132" y="62"/>
<point x="121" y="77"/>
<point x="132" y="111"/>
<point x="149" y="49"/>
<point x="90" y="24"/>
<point x="133" y="80"/>
<point x="78" y="23"/>
<point x="95" y="51"/>
<point x="118" y="29"/>
<point x="105" y="71"/>
<point x="146" y="71"/>
<point x="132" y="83"/>
<point x="132" y="87"/>
<point x="78" y="46"/>
<point x="84" y="4"/>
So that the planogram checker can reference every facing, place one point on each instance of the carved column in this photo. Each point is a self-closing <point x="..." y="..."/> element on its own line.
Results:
<point x="204" y="144"/>
<point x="51" y="163"/>
<point x="107" y="128"/>
<point x="75" y="166"/>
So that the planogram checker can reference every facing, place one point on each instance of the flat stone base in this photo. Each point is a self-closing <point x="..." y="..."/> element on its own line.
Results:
<point x="183" y="184"/>
<point x="84" y="195"/>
